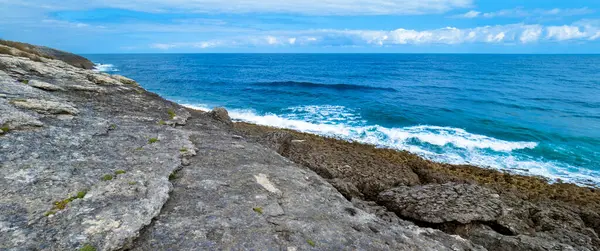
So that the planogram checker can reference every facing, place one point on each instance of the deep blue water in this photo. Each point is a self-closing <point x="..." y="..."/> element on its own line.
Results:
<point x="532" y="114"/>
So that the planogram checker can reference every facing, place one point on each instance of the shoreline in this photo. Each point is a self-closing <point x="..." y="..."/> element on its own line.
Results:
<point x="123" y="168"/>
<point x="519" y="172"/>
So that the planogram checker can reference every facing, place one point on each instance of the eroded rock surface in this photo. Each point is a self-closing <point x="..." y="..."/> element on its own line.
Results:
<point x="94" y="166"/>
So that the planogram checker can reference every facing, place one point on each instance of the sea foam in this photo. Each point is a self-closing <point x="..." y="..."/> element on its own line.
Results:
<point x="105" y="68"/>
<point x="443" y="144"/>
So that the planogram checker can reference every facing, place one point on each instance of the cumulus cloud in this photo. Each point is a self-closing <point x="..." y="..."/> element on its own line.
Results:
<point x="565" y="32"/>
<point x="520" y="13"/>
<point x="499" y="34"/>
<point x="306" y="7"/>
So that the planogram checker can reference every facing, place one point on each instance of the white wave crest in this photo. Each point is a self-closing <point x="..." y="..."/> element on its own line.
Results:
<point x="447" y="144"/>
<point x="105" y="68"/>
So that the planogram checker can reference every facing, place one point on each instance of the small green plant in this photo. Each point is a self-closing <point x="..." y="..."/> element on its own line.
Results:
<point x="119" y="172"/>
<point x="107" y="177"/>
<point x="153" y="140"/>
<point x="62" y="204"/>
<point x="183" y="149"/>
<point x="112" y="127"/>
<point x="4" y="129"/>
<point x="161" y="122"/>
<point x="24" y="81"/>
<point x="139" y="149"/>
<point x="172" y="176"/>
<point x="132" y="183"/>
<point x="311" y="243"/>
<point x="87" y="247"/>
<point x="258" y="210"/>
<point x="171" y="113"/>
<point x="80" y="194"/>
<point x="139" y="91"/>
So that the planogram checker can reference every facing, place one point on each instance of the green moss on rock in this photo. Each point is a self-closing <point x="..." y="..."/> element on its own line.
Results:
<point x="87" y="247"/>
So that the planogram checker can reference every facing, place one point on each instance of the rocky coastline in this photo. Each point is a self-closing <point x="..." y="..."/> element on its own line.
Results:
<point x="92" y="161"/>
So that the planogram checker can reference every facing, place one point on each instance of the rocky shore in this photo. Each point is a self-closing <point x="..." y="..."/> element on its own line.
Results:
<point x="91" y="161"/>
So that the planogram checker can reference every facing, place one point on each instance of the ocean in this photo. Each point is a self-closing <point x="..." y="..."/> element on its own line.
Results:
<point x="527" y="114"/>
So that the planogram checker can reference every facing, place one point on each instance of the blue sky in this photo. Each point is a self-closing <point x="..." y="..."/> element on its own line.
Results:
<point x="423" y="26"/>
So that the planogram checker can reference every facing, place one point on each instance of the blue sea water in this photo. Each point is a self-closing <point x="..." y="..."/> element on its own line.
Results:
<point x="529" y="114"/>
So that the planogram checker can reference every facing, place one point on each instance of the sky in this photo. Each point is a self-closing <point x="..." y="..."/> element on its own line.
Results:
<point x="307" y="26"/>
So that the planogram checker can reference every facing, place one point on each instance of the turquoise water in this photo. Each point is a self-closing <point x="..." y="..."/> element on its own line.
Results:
<point x="530" y="114"/>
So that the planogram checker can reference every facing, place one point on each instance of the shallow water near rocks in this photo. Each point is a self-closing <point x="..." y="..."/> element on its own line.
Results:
<point x="530" y="114"/>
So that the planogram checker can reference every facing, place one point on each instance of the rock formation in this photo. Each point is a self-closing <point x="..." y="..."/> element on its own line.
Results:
<point x="91" y="161"/>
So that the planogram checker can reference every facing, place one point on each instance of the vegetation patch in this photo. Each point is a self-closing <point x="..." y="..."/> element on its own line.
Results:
<point x="62" y="204"/>
<point x="311" y="243"/>
<point x="87" y="247"/>
<point x="112" y="127"/>
<point x="132" y="183"/>
<point x="139" y="149"/>
<point x="120" y="172"/>
<point x="171" y="113"/>
<point x="173" y="176"/>
<point x="153" y="140"/>
<point x="161" y="122"/>
<point x="107" y="177"/>
<point x="5" y="128"/>
<point x="258" y="210"/>
<point x="183" y="149"/>
<point x="24" y="81"/>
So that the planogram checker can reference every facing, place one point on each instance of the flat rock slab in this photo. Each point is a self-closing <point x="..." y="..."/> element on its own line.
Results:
<point x="440" y="203"/>
<point x="241" y="196"/>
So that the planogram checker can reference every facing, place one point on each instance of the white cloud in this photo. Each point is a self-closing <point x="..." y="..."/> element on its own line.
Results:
<point x="520" y="13"/>
<point x="500" y="34"/>
<point x="471" y="14"/>
<point x="64" y="23"/>
<point x="531" y="34"/>
<point x="162" y="46"/>
<point x="565" y="32"/>
<point x="306" y="7"/>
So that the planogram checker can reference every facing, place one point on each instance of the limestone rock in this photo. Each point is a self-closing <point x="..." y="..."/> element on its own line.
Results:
<point x="449" y="202"/>
<point x="102" y="79"/>
<point x="124" y="80"/>
<point x="44" y="86"/>
<point x="45" y="106"/>
<point x="221" y="114"/>
<point x="279" y="141"/>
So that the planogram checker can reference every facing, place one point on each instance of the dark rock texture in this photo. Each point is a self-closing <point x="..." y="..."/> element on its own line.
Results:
<point x="42" y="52"/>
<point x="496" y="210"/>
<point x="91" y="159"/>
<point x="462" y="203"/>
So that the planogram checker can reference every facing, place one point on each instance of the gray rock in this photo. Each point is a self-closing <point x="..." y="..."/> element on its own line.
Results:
<point x="451" y="202"/>
<point x="221" y="114"/>
<point x="347" y="189"/>
<point x="102" y="79"/>
<point x="125" y="80"/>
<point x="43" y="85"/>
<point x="45" y="106"/>
<point x="60" y="189"/>
<point x="279" y="141"/>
